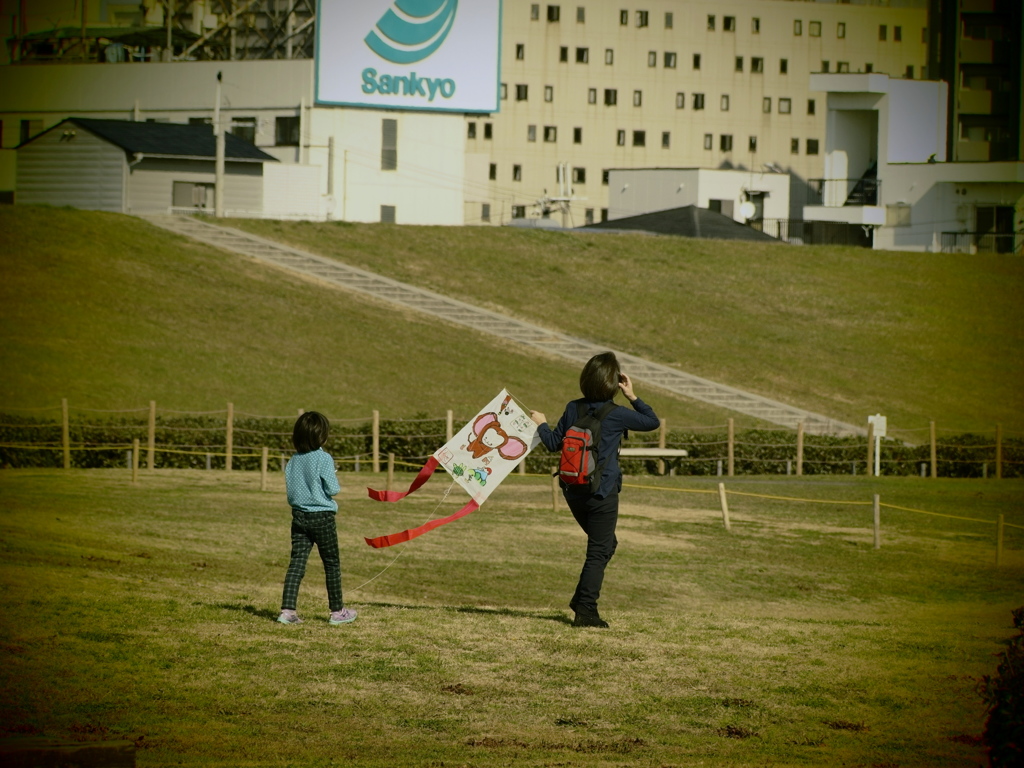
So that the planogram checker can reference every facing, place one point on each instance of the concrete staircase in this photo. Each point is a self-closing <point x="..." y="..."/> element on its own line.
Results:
<point x="350" y="278"/>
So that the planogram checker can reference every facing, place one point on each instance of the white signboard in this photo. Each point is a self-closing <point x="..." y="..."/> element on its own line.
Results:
<point x="440" y="55"/>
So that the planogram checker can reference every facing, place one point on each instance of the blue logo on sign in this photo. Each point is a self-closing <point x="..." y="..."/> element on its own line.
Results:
<point x="414" y="32"/>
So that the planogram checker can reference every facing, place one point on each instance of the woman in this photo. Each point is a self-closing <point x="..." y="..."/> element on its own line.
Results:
<point x="597" y="512"/>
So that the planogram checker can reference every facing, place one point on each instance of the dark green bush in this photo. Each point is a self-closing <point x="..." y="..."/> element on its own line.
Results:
<point x="1003" y="694"/>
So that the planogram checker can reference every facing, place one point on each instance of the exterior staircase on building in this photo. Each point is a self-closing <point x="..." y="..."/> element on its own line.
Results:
<point x="351" y="278"/>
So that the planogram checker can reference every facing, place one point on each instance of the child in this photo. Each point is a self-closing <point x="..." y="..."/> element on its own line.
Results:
<point x="311" y="483"/>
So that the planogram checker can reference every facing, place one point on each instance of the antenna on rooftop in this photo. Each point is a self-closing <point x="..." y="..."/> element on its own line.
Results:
<point x="563" y="200"/>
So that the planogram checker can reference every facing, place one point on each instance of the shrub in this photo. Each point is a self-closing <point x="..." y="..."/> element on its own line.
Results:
<point x="1004" y="697"/>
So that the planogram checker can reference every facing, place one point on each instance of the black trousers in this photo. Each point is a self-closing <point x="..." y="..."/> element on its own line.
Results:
<point x="597" y="517"/>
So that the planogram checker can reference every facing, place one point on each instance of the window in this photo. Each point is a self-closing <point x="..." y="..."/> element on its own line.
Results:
<point x="909" y="74"/>
<point x="785" y="106"/>
<point x="563" y="54"/>
<point x="841" y="30"/>
<point x="624" y="18"/>
<point x="842" y="66"/>
<point x="387" y="214"/>
<point x="814" y="29"/>
<point x="609" y="56"/>
<point x="488" y="131"/>
<point x="531" y="133"/>
<point x="611" y="97"/>
<point x="711" y="23"/>
<point x="517" y="173"/>
<point x="604" y="177"/>
<point x="550" y="134"/>
<point x="739" y="63"/>
<point x="666" y="139"/>
<point x="794" y="146"/>
<point x="783" y="66"/>
<point x="757" y="64"/>
<point x="639" y="138"/>
<point x="199" y="121"/>
<point x="520" y="51"/>
<point x="680" y="100"/>
<point x="485" y="212"/>
<point x="471" y="130"/>
<point x="549" y="93"/>
<point x="577" y="135"/>
<point x="652" y="58"/>
<point x="670" y="60"/>
<point x="582" y="55"/>
<point x="592" y="96"/>
<point x="579" y="175"/>
<point x="755" y="26"/>
<point x="244" y="128"/>
<point x="723" y="103"/>
<point x="588" y="216"/>
<point x="534" y="12"/>
<point x="604" y="214"/>
<point x="725" y="142"/>
<point x="641" y="18"/>
<point x="581" y="14"/>
<point x="897" y="34"/>
<point x="752" y="144"/>
<point x="620" y="138"/>
<point x="518" y="211"/>
<point x="924" y="35"/>
<point x="766" y="105"/>
<point x="825" y="65"/>
<point x="668" y="20"/>
<point x="554" y="12"/>
<point x="286" y="131"/>
<point x="503" y="91"/>
<point x="522" y="91"/>
<point x="638" y="98"/>
<point x="696" y="61"/>
<point x="698" y="101"/>
<point x="709" y="141"/>
<point x="883" y="32"/>
<point x="798" y="27"/>
<point x="729" y="23"/>
<point x="389" y="146"/>
<point x="810" y="106"/>
<point x="812" y="146"/>
<point x="492" y="172"/>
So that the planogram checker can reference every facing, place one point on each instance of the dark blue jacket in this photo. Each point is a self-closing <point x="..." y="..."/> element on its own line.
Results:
<point x="616" y="424"/>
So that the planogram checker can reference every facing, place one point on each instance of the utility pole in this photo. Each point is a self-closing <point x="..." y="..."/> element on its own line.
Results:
<point x="218" y="178"/>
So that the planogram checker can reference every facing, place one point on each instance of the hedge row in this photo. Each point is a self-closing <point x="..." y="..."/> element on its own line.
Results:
<point x="756" y="452"/>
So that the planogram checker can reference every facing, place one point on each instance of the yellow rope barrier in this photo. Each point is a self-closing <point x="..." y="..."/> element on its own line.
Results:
<point x="674" y="490"/>
<point x="788" y="498"/>
<point x="938" y="514"/>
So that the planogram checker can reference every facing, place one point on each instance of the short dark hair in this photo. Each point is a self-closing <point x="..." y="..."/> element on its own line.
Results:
<point x="310" y="432"/>
<point x="599" y="379"/>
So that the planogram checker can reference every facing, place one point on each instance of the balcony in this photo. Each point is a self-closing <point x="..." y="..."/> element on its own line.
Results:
<point x="976" y="51"/>
<point x="983" y="242"/>
<point x="975" y="102"/>
<point x="835" y="193"/>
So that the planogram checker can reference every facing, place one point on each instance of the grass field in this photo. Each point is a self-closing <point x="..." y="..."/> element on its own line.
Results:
<point x="145" y="612"/>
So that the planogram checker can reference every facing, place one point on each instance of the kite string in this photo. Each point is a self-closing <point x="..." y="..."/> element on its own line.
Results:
<point x="401" y="551"/>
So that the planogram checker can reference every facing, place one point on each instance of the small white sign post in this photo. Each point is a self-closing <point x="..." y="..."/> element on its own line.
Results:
<point x="878" y="421"/>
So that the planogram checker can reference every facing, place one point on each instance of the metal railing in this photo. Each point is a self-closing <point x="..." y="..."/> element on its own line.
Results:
<point x="983" y="242"/>
<point x="798" y="231"/>
<point x="835" y="193"/>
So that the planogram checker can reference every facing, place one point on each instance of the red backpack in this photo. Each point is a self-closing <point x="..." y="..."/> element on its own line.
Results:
<point x="579" y="463"/>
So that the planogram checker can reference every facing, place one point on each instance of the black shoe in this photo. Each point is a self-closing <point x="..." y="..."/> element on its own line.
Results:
<point x="589" y="620"/>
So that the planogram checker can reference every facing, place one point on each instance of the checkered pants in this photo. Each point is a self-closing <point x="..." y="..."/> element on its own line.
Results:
<point x="309" y="528"/>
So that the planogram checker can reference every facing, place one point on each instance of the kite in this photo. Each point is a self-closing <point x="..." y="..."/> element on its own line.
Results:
<point x="478" y="458"/>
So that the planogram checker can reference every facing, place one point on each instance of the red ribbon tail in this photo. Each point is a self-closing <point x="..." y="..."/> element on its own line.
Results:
<point x="421" y="478"/>
<point x="403" y="536"/>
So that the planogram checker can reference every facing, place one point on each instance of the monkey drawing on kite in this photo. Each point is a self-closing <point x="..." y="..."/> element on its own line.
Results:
<point x="487" y="435"/>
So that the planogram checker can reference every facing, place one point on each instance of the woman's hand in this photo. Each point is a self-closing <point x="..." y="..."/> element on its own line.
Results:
<point x="538" y="418"/>
<point x="626" y="385"/>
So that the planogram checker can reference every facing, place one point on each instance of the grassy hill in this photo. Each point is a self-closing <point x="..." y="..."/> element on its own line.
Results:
<point x="109" y="312"/>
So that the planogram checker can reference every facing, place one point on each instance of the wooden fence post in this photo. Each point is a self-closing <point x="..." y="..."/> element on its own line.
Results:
<point x="999" y="540"/>
<point x="799" y="449"/>
<point x="135" y="460"/>
<point x="65" y="432"/>
<point x="375" y="441"/>
<point x="391" y="470"/>
<point x="554" y="489"/>
<point x="732" y="447"/>
<point x="999" y="451"/>
<point x="934" y="452"/>
<point x="230" y="436"/>
<point x="522" y="467"/>
<point x="876" y="504"/>
<point x="725" y="506"/>
<point x="263" y="468"/>
<point x="151" y="442"/>
<point x="871" y="449"/>
<point x="449" y="426"/>
<point x="661" y="444"/>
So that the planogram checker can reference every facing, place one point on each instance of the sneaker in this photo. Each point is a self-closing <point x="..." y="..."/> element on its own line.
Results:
<point x="586" y="616"/>
<point x="289" y="617"/>
<point x="344" y="616"/>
